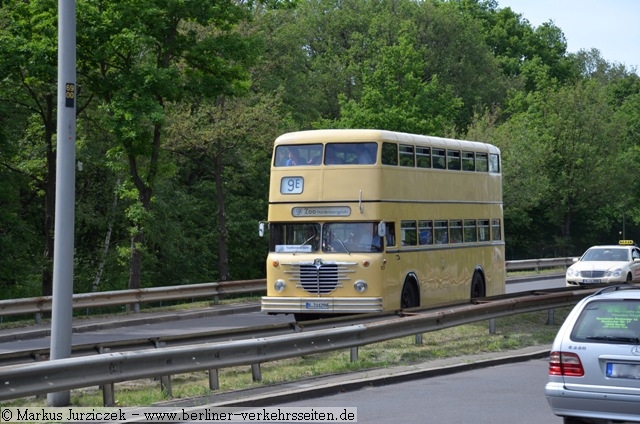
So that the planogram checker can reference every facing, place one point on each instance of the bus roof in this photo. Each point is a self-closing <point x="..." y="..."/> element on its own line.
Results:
<point x="353" y="135"/>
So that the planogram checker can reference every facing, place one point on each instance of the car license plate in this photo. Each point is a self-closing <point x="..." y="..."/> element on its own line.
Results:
<point x="317" y="305"/>
<point x="623" y="370"/>
<point x="591" y="281"/>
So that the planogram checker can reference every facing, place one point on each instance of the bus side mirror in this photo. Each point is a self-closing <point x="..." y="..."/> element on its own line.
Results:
<point x="382" y="229"/>
<point x="261" y="229"/>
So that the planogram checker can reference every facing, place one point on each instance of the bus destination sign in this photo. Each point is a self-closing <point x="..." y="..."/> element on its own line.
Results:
<point x="321" y="211"/>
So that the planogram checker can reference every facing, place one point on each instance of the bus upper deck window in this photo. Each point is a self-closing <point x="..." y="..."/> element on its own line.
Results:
<point x="366" y="153"/>
<point x="297" y="155"/>
<point x="482" y="162"/>
<point x="453" y="159"/>
<point x="334" y="155"/>
<point x="468" y="161"/>
<point x="389" y="154"/>
<point x="494" y="163"/>
<point x="439" y="160"/>
<point x="423" y="157"/>
<point x="406" y="156"/>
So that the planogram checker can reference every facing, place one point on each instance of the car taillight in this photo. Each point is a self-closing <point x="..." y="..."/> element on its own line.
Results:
<point x="566" y="364"/>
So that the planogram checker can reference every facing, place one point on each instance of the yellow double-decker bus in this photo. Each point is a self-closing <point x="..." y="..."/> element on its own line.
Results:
<point x="365" y="221"/>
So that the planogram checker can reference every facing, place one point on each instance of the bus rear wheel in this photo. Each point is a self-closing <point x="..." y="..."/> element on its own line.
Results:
<point x="409" y="297"/>
<point x="477" y="286"/>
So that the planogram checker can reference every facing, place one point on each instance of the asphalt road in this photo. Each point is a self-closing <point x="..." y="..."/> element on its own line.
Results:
<point x="496" y="392"/>
<point x="511" y="393"/>
<point x="150" y="329"/>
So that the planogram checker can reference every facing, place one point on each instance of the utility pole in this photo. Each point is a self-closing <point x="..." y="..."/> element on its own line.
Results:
<point x="62" y="307"/>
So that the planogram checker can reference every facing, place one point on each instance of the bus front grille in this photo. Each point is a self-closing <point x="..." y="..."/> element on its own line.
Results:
<point x="318" y="277"/>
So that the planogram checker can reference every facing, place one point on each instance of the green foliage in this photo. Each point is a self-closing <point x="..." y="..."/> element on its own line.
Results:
<point x="395" y="96"/>
<point x="179" y="103"/>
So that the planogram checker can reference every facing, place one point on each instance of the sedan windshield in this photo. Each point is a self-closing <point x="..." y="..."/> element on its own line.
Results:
<point x="607" y="255"/>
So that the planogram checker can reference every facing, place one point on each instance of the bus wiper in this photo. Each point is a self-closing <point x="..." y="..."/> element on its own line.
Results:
<point x="303" y="243"/>
<point x="341" y="242"/>
<point x="615" y="339"/>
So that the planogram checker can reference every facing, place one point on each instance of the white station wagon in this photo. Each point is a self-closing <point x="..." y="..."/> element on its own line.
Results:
<point x="606" y="264"/>
<point x="594" y="364"/>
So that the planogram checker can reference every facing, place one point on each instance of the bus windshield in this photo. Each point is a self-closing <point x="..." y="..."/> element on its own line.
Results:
<point x="342" y="237"/>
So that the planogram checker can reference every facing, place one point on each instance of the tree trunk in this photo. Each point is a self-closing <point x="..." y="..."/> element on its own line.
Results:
<point x="223" y="254"/>
<point x="107" y="243"/>
<point x="49" y="201"/>
<point x="145" y="192"/>
<point x="136" y="259"/>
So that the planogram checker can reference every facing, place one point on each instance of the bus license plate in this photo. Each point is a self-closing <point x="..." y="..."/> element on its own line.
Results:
<point x="623" y="370"/>
<point x="591" y="281"/>
<point x="323" y="306"/>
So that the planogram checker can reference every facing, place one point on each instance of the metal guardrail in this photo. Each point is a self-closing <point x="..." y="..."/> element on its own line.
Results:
<point x="40" y="305"/>
<point x="105" y="369"/>
<point x="537" y="264"/>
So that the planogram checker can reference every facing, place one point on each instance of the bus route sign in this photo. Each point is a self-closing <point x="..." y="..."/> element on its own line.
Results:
<point x="299" y="212"/>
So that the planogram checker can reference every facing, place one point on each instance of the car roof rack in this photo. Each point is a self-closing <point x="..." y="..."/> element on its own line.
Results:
<point x="617" y="287"/>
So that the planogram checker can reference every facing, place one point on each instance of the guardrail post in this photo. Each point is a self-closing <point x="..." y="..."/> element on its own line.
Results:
<point x="38" y="317"/>
<point x="108" y="391"/>
<point x="38" y="357"/>
<point x="108" y="395"/>
<point x="256" y="374"/>
<point x="354" y="354"/>
<point x="165" y="385"/>
<point x="550" y="314"/>
<point x="214" y="381"/>
<point x="492" y="326"/>
<point x="419" y="338"/>
<point x="165" y="380"/>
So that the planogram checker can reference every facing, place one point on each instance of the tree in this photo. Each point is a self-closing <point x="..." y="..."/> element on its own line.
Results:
<point x="28" y="59"/>
<point x="146" y="54"/>
<point x="559" y="155"/>
<point x="396" y="97"/>
<point x="230" y="140"/>
<point x="20" y="270"/>
<point x="457" y="51"/>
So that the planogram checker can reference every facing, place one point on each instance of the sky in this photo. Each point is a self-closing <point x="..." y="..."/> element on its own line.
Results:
<point x="611" y="26"/>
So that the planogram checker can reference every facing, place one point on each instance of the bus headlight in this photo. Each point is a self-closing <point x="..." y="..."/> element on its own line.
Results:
<point x="279" y="285"/>
<point x="360" y="286"/>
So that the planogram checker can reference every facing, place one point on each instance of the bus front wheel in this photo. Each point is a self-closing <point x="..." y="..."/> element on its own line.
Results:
<point x="409" y="297"/>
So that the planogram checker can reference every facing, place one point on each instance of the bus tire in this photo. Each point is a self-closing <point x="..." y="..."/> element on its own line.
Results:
<point x="409" y="297"/>
<point x="477" y="286"/>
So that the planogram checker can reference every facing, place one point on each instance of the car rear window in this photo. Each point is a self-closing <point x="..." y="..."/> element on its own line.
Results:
<point x="608" y="321"/>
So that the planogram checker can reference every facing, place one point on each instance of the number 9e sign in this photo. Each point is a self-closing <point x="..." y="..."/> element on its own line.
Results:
<point x="291" y="185"/>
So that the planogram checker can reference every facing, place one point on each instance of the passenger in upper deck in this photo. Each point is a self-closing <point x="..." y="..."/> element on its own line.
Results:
<point x="331" y="158"/>
<point x="364" y="157"/>
<point x="294" y="158"/>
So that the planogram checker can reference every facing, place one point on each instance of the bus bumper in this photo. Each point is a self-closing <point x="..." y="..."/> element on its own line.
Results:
<point x="317" y="305"/>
